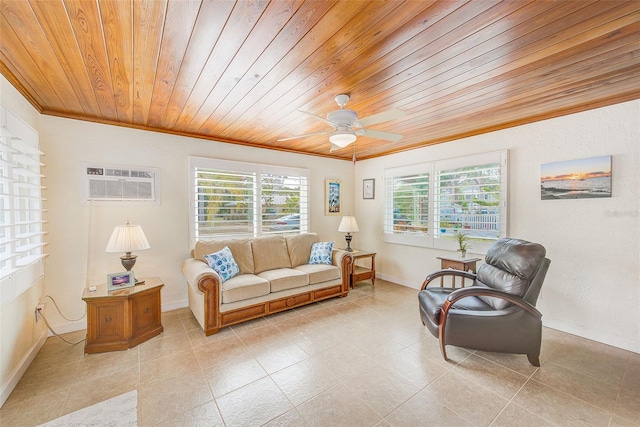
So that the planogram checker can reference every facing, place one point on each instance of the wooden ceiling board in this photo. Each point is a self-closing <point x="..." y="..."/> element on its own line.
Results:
<point x="211" y="19"/>
<point x="180" y="21"/>
<point x="117" y="20"/>
<point x="239" y="25"/>
<point x="86" y="22"/>
<point x="307" y="73"/>
<point x="14" y="75"/>
<point x="28" y="44"/>
<point x="343" y="70"/>
<point x="300" y="22"/>
<point x="148" y="19"/>
<point x="57" y="29"/>
<point x="241" y="72"/>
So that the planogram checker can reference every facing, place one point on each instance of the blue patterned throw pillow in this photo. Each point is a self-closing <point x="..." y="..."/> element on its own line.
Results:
<point x="223" y="263"/>
<point x="321" y="253"/>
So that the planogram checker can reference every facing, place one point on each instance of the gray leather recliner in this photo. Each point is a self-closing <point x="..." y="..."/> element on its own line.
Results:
<point x="497" y="312"/>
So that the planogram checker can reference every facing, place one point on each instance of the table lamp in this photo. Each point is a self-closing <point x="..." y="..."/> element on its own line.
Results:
<point x="127" y="238"/>
<point x="348" y="225"/>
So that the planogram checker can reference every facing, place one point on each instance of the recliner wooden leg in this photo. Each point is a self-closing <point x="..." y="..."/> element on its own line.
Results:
<point x="534" y="359"/>
<point x="443" y="350"/>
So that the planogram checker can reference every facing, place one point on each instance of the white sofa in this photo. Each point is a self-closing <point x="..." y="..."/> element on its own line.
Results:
<point x="274" y="276"/>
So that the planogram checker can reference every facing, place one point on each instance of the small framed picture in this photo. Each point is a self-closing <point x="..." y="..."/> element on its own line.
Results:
<point x="117" y="281"/>
<point x="369" y="188"/>
<point x="333" y="194"/>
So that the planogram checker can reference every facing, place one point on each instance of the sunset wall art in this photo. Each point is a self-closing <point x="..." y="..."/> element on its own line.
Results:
<point x="576" y="179"/>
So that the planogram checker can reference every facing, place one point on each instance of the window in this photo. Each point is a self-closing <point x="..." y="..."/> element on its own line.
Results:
<point x="466" y="194"/>
<point x="407" y="199"/>
<point x="236" y="199"/>
<point x="21" y="207"/>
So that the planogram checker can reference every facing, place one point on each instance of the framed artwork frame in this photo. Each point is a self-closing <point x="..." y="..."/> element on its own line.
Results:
<point x="333" y="197"/>
<point x="369" y="188"/>
<point x="117" y="281"/>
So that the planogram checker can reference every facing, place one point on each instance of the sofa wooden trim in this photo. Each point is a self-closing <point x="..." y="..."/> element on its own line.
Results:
<point x="214" y="319"/>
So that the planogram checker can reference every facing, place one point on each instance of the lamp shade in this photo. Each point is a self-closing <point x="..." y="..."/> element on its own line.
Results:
<point x="127" y="238"/>
<point x="342" y="138"/>
<point x="348" y="224"/>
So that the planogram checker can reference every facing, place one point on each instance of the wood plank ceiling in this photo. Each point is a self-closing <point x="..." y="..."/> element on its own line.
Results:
<point x="239" y="72"/>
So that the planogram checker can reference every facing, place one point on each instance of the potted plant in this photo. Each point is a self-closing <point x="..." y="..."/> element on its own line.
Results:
<point x="463" y="242"/>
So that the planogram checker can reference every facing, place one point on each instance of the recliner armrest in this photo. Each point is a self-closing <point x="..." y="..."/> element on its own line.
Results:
<point x="476" y="291"/>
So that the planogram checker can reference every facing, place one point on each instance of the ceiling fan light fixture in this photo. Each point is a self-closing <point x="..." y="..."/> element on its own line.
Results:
<point x="342" y="138"/>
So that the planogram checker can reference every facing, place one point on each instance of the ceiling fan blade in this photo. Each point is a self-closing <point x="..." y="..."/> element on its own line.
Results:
<point x="378" y="134"/>
<point x="318" y="117"/>
<point x="385" y="116"/>
<point x="324" y="132"/>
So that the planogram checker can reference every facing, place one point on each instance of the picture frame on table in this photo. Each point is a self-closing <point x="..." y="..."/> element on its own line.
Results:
<point x="369" y="188"/>
<point x="117" y="281"/>
<point x="333" y="197"/>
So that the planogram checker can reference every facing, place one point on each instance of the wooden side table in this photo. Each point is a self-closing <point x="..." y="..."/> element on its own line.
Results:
<point x="358" y="272"/>
<point x="122" y="319"/>
<point x="463" y="264"/>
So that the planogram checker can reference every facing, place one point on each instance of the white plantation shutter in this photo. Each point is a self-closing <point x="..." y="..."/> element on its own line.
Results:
<point x="283" y="194"/>
<point x="21" y="207"/>
<point x="465" y="194"/>
<point x="407" y="196"/>
<point x="225" y="203"/>
<point x="237" y="199"/>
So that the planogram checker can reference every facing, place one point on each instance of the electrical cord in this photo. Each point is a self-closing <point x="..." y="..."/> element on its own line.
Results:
<point x="56" y="334"/>
<point x="66" y="318"/>
<point x="59" y="311"/>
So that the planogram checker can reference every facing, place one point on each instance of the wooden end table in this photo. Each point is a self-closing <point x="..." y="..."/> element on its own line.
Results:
<point x="463" y="264"/>
<point x="122" y="319"/>
<point x="358" y="272"/>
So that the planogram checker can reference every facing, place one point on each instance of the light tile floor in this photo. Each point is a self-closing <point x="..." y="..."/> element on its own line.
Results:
<point x="363" y="360"/>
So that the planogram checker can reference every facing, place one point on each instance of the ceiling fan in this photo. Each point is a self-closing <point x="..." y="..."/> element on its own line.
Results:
<point x="346" y="125"/>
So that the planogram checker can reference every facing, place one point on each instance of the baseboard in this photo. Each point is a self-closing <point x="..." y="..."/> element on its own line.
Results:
<point x="18" y="372"/>
<point x="175" y="305"/>
<point x="592" y="335"/>
<point x="404" y="282"/>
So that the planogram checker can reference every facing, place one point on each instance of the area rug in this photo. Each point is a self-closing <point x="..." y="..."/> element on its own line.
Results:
<point x="119" y="411"/>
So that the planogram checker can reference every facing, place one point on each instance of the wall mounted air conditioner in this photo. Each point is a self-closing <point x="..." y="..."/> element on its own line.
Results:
<point x="119" y="183"/>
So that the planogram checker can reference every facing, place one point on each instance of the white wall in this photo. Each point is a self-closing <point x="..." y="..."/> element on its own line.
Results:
<point x="20" y="335"/>
<point x="78" y="233"/>
<point x="593" y="285"/>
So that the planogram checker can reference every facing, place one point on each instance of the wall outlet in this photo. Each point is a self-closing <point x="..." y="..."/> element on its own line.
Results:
<point x="40" y="307"/>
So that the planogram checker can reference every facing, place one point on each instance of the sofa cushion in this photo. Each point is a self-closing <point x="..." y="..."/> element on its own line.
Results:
<point x="321" y="253"/>
<point x="222" y="262"/>
<point x="299" y="247"/>
<point x="319" y="273"/>
<point x="244" y="286"/>
<point x="285" y="278"/>
<point x="240" y="248"/>
<point x="270" y="253"/>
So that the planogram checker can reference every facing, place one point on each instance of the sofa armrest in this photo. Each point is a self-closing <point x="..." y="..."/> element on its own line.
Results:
<point x="202" y="277"/>
<point x="194" y="270"/>
<point x="343" y="260"/>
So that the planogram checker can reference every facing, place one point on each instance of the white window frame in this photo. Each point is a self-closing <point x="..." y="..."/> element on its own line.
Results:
<point x="259" y="170"/>
<point x="433" y="239"/>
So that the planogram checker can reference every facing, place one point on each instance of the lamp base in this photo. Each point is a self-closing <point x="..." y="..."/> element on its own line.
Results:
<point x="348" y="238"/>
<point x="128" y="261"/>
